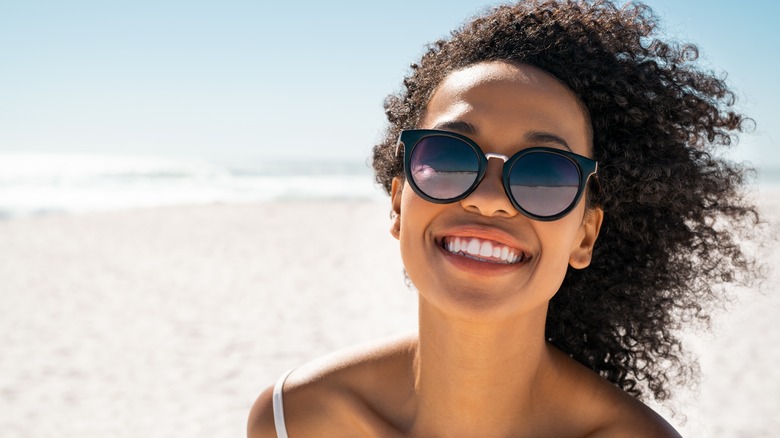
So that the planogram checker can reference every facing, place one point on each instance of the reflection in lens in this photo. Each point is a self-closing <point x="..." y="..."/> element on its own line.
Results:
<point x="544" y="183"/>
<point x="444" y="167"/>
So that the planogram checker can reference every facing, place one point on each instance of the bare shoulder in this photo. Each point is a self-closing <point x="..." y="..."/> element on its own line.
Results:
<point x="633" y="418"/>
<point x="340" y="394"/>
<point x="261" y="417"/>
<point x="610" y="412"/>
<point x="623" y="415"/>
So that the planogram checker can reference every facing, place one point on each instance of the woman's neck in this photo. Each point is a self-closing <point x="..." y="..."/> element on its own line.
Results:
<point x="477" y="376"/>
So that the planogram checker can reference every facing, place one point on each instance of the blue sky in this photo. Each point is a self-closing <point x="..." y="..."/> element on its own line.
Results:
<point x="238" y="80"/>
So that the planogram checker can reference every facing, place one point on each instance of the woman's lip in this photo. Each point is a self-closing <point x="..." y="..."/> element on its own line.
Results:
<point x="479" y="267"/>
<point x="484" y="233"/>
<point x="483" y="250"/>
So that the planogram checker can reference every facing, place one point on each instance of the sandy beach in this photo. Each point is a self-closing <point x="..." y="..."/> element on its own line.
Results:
<point x="169" y="321"/>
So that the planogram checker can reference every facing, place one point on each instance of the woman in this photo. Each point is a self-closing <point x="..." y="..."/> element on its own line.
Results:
<point x="560" y="214"/>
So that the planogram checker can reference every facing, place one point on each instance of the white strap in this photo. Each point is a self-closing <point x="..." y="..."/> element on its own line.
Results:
<point x="281" y="429"/>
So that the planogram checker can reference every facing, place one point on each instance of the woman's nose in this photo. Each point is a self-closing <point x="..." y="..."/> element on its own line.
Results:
<point x="489" y="198"/>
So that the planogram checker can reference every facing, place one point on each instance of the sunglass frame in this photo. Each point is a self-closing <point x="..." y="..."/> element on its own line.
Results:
<point x="585" y="166"/>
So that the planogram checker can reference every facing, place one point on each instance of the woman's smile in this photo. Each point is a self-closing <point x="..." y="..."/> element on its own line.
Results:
<point x="482" y="250"/>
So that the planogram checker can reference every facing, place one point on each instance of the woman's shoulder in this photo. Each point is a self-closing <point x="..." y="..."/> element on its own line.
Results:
<point x="345" y="390"/>
<point x="608" y="410"/>
<point x="627" y="416"/>
<point x="368" y="390"/>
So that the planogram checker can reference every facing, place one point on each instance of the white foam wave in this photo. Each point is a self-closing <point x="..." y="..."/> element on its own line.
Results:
<point x="32" y="184"/>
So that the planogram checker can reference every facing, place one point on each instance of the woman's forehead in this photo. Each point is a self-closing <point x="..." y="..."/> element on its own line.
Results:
<point x="493" y="71"/>
<point x="494" y="95"/>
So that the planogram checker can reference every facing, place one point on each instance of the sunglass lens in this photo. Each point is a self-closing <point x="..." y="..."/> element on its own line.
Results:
<point x="444" y="167"/>
<point x="543" y="183"/>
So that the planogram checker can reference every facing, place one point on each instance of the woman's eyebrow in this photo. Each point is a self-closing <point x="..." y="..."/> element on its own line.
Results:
<point x="457" y="126"/>
<point x="546" y="137"/>
<point x="531" y="137"/>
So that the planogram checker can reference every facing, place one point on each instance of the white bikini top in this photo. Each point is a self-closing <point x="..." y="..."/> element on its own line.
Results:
<point x="281" y="428"/>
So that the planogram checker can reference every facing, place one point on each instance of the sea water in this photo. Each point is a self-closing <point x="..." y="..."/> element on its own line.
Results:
<point x="45" y="183"/>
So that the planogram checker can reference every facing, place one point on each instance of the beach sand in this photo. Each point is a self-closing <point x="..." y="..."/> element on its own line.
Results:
<point x="170" y="321"/>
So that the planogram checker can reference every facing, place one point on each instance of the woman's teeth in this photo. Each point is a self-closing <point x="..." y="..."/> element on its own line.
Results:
<point x="482" y="249"/>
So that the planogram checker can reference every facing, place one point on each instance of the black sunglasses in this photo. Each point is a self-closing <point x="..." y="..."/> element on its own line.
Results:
<point x="543" y="183"/>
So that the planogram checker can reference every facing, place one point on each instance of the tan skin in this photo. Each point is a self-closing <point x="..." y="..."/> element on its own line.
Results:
<point x="480" y="365"/>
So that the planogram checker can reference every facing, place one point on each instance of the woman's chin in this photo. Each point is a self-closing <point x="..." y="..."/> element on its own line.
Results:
<point x="480" y="304"/>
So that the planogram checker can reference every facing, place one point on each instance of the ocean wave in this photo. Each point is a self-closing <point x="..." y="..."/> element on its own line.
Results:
<point x="36" y="184"/>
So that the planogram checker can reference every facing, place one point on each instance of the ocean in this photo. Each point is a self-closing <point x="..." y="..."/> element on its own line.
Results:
<point x="33" y="184"/>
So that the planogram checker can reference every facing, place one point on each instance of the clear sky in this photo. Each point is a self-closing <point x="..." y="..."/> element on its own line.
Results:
<point x="247" y="79"/>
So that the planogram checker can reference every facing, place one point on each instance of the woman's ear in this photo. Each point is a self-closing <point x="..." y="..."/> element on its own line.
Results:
<point x="395" y="199"/>
<point x="582" y="251"/>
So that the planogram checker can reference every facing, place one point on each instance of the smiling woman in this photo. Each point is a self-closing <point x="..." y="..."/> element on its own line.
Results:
<point x="560" y="212"/>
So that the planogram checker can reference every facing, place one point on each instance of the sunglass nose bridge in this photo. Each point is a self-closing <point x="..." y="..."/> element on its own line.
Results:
<point x="499" y="156"/>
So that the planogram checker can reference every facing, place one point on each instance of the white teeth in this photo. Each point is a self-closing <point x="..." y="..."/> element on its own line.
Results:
<point x="473" y="247"/>
<point x="482" y="248"/>
<point x="486" y="250"/>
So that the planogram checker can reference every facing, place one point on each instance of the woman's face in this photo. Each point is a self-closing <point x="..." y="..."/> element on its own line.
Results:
<point x="502" y="107"/>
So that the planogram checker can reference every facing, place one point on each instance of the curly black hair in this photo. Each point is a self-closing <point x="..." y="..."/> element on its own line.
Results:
<point x="676" y="214"/>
